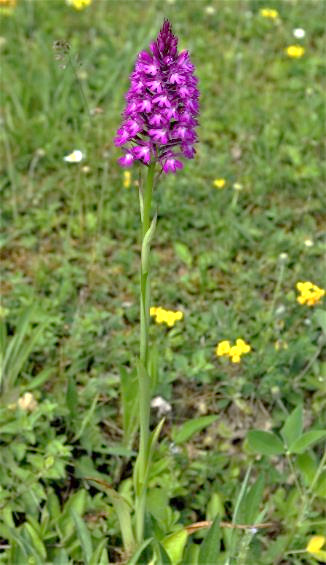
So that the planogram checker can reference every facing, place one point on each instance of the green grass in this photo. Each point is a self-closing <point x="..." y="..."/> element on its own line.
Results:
<point x="71" y="247"/>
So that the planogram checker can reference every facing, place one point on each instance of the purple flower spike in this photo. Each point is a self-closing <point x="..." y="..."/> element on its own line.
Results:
<point x="162" y="106"/>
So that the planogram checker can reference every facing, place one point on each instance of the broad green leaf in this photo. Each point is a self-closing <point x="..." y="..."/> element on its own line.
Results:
<point x="190" y="428"/>
<point x="307" y="440"/>
<point x="83" y="536"/>
<point x="129" y="402"/>
<point x="320" y="487"/>
<point x="307" y="466"/>
<point x="76" y="502"/>
<point x="72" y="397"/>
<point x="158" y="504"/>
<point x="214" y="506"/>
<point x="191" y="554"/>
<point x="210" y="547"/>
<point x="293" y="426"/>
<point x="320" y="317"/>
<point x="53" y="505"/>
<point x="174" y="545"/>
<point x="183" y="252"/>
<point x="265" y="443"/>
<point x="252" y="501"/>
<point x="35" y="538"/>
<point x="61" y="558"/>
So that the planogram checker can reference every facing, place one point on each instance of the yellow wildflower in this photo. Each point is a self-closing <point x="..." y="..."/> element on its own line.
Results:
<point x="168" y="317"/>
<point x="310" y="293"/>
<point x="126" y="179"/>
<point x="315" y="544"/>
<point x="79" y="4"/>
<point x="219" y="183"/>
<point x="223" y="348"/>
<point x="314" y="547"/>
<point x="235" y="354"/>
<point x="234" y="351"/>
<point x="243" y="346"/>
<point x="7" y="7"/>
<point x="295" y="51"/>
<point x="269" y="13"/>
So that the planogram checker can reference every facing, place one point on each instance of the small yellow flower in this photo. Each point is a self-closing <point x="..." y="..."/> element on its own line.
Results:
<point x="223" y="348"/>
<point x="243" y="346"/>
<point x="234" y="351"/>
<point x="7" y="7"/>
<point x="219" y="183"/>
<point x="126" y="179"/>
<point x="168" y="317"/>
<point x="314" y="547"/>
<point x="295" y="51"/>
<point x="315" y="544"/>
<point x="237" y="186"/>
<point x="235" y="354"/>
<point x="79" y="4"/>
<point x="310" y="293"/>
<point x="269" y="13"/>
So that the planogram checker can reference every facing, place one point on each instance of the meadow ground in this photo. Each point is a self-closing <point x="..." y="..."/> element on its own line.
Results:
<point x="238" y="228"/>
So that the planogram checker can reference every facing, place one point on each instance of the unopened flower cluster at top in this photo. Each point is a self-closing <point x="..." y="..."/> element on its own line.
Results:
<point x="168" y="317"/>
<point x="162" y="105"/>
<point x="310" y="293"/>
<point x="224" y="348"/>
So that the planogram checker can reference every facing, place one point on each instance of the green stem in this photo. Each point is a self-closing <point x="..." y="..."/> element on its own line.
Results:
<point x="143" y="376"/>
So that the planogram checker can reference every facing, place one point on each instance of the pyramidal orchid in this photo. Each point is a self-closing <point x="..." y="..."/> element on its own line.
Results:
<point x="158" y="131"/>
<point x="162" y="106"/>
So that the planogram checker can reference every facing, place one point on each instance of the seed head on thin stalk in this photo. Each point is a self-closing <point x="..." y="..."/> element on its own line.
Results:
<point x="62" y="54"/>
<point x="162" y="105"/>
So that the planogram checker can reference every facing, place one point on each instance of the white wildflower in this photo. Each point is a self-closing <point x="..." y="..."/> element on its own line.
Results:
<point x="299" y="33"/>
<point x="162" y="406"/>
<point x="27" y="402"/>
<point x="75" y="157"/>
